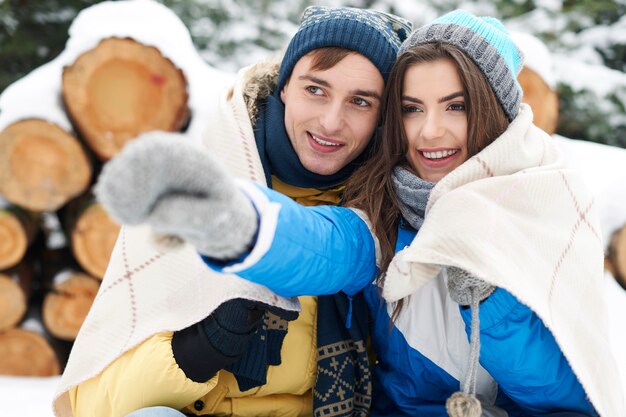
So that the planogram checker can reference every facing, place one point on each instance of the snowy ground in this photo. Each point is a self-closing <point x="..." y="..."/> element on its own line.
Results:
<point x="27" y="397"/>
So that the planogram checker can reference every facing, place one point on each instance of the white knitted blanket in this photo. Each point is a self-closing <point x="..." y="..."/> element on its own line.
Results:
<point x="514" y="216"/>
<point x="149" y="288"/>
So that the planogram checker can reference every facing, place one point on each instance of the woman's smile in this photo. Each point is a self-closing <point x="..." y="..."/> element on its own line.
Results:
<point x="434" y="118"/>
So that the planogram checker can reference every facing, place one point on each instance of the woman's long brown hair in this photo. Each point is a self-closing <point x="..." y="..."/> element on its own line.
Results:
<point x="370" y="188"/>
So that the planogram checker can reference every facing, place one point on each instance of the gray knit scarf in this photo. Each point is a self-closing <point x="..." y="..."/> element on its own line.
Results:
<point x="412" y="193"/>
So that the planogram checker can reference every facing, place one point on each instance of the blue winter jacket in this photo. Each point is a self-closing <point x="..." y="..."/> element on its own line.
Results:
<point x="424" y="354"/>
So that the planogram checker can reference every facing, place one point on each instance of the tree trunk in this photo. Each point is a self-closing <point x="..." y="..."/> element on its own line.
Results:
<point x="120" y="89"/>
<point x="66" y="306"/>
<point x="616" y="257"/>
<point x="41" y="165"/>
<point x="26" y="353"/>
<point x="17" y="231"/>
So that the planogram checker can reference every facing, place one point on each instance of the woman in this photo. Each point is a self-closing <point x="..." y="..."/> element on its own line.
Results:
<point x="452" y="118"/>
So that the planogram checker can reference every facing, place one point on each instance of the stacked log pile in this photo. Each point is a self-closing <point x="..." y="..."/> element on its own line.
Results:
<point x="55" y="240"/>
<point x="128" y="67"/>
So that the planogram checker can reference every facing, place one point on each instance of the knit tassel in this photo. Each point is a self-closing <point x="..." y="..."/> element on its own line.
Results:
<point x="464" y="403"/>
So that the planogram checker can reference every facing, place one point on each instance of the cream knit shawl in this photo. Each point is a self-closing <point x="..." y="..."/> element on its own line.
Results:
<point x="149" y="288"/>
<point x="514" y="216"/>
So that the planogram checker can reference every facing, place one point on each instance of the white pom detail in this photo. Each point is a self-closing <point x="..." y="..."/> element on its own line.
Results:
<point x="463" y="405"/>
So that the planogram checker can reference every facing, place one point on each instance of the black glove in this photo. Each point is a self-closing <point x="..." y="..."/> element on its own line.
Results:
<point x="179" y="189"/>
<point x="219" y="340"/>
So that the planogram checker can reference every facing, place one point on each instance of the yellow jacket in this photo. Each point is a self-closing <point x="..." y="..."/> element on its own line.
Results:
<point x="148" y="375"/>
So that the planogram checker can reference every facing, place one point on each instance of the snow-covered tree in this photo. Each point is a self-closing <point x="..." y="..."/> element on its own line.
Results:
<point x="587" y="39"/>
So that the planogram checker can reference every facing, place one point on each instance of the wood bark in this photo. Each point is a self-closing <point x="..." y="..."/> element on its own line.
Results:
<point x="13" y="302"/>
<point x="66" y="306"/>
<point x="93" y="234"/>
<point x="120" y="89"/>
<point x="41" y="165"/>
<point x="17" y="231"/>
<point x="15" y="290"/>
<point x="542" y="99"/>
<point x="26" y="353"/>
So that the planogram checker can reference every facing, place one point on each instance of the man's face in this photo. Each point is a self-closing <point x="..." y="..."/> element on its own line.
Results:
<point x="330" y="115"/>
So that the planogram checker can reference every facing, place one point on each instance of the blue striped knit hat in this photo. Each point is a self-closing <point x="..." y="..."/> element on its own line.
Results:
<point x="375" y="35"/>
<point x="486" y="41"/>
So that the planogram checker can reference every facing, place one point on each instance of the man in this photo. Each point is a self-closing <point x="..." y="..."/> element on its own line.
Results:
<point x="312" y="127"/>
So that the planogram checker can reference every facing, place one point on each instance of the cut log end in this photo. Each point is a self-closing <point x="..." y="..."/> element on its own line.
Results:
<point x="65" y="308"/>
<point x="14" y="239"/>
<point x="616" y="257"/>
<point x="41" y="165"/>
<point x="93" y="239"/>
<point x="13" y="303"/>
<point x="542" y="99"/>
<point x="123" y="88"/>
<point x="25" y="353"/>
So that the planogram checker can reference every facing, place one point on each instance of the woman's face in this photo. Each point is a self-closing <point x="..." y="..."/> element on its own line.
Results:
<point x="434" y="118"/>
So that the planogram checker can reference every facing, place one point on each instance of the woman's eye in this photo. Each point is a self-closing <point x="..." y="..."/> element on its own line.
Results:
<point x="457" y="106"/>
<point x="361" y="102"/>
<point x="410" y="109"/>
<point x="314" y="90"/>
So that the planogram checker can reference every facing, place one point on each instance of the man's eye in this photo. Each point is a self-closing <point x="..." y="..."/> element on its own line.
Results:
<point x="314" y="90"/>
<point x="361" y="102"/>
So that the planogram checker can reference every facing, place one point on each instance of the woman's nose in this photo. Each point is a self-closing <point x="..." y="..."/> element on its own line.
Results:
<point x="433" y="127"/>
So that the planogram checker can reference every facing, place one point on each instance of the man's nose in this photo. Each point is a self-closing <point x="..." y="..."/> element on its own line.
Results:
<point x="332" y="119"/>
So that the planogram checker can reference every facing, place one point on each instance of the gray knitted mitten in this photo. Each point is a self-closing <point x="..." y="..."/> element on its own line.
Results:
<point x="179" y="189"/>
<point x="460" y="282"/>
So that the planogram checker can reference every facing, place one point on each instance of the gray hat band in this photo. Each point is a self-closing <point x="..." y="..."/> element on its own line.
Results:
<point x="484" y="55"/>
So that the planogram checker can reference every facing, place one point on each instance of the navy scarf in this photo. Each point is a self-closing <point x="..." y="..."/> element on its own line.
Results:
<point x="343" y="387"/>
<point x="279" y="158"/>
<point x="342" y="321"/>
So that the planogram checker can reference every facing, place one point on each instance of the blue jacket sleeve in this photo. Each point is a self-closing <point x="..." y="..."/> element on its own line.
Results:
<point x="522" y="355"/>
<point x="305" y="250"/>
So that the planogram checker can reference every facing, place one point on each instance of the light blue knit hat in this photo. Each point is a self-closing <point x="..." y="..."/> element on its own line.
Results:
<point x="376" y="35"/>
<point x="486" y="41"/>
